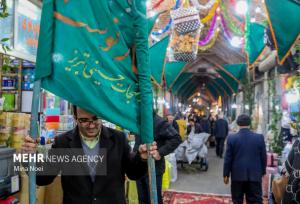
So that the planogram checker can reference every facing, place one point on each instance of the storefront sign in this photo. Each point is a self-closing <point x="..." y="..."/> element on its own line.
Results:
<point x="7" y="24"/>
<point x="27" y="27"/>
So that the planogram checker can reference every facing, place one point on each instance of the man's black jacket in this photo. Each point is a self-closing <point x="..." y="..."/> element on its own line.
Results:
<point x="108" y="189"/>
<point x="167" y="139"/>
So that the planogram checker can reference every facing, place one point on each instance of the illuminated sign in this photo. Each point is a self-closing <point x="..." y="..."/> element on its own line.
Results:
<point x="27" y="27"/>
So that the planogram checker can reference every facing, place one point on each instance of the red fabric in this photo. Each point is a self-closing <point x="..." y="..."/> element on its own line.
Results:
<point x="284" y="102"/>
<point x="272" y="159"/>
<point x="8" y="200"/>
<point x="52" y="118"/>
<point x="172" y="197"/>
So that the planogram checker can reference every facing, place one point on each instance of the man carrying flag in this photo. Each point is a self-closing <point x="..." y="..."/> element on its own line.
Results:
<point x="90" y="135"/>
<point x="94" y="54"/>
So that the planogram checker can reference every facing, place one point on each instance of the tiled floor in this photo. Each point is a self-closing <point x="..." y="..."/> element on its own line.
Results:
<point x="194" y="180"/>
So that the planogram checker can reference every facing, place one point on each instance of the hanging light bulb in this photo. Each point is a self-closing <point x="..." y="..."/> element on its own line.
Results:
<point x="241" y="7"/>
<point x="236" y="41"/>
<point x="257" y="10"/>
<point x="148" y="4"/>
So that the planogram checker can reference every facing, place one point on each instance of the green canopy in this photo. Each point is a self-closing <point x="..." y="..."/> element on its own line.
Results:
<point x="84" y="57"/>
<point x="172" y="71"/>
<point x="256" y="42"/>
<point x="232" y="74"/>
<point x="212" y="90"/>
<point x="184" y="88"/>
<point x="284" y="20"/>
<point x="182" y="79"/>
<point x="157" y="59"/>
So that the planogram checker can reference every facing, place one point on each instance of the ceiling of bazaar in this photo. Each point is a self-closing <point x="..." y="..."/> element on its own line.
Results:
<point x="221" y="42"/>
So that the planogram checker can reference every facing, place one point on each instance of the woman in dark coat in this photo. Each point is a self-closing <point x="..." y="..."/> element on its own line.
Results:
<point x="292" y="165"/>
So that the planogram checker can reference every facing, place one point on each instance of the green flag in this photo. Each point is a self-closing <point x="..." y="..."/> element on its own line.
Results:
<point x="255" y="41"/>
<point x="284" y="18"/>
<point x="172" y="72"/>
<point x="157" y="59"/>
<point x="85" y="56"/>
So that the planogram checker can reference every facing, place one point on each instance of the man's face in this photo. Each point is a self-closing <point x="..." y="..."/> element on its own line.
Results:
<point x="89" y="125"/>
<point x="170" y="118"/>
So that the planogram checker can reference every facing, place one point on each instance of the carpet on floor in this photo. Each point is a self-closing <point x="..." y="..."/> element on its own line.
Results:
<point x="181" y="197"/>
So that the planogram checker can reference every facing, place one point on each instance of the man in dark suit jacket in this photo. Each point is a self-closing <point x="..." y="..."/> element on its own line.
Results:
<point x="245" y="162"/>
<point x="93" y="188"/>
<point x="167" y="139"/>
<point x="221" y="131"/>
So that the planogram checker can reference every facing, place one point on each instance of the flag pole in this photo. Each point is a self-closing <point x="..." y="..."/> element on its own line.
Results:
<point x="34" y="134"/>
<point x="152" y="177"/>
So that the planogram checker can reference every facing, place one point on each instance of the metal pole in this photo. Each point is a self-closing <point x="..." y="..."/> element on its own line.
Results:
<point x="152" y="177"/>
<point x="34" y="134"/>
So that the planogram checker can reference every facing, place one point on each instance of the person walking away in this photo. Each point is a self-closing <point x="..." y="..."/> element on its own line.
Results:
<point x="245" y="163"/>
<point x="205" y="124"/>
<point x="167" y="139"/>
<point x="221" y="132"/>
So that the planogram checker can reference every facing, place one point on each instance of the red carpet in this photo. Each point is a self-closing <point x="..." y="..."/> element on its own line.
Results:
<point x="177" y="197"/>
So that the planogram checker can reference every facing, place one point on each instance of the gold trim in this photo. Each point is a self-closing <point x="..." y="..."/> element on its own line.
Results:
<point x="71" y="22"/>
<point x="110" y="42"/>
<point x="122" y="57"/>
<point x="274" y="38"/>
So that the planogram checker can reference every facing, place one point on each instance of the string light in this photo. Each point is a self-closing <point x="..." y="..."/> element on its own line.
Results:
<point x="236" y="41"/>
<point x="258" y="10"/>
<point x="241" y="7"/>
<point x="167" y="27"/>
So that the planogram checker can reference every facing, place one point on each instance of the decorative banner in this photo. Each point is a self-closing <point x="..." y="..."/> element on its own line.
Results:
<point x="211" y="13"/>
<point x="86" y="51"/>
<point x="157" y="59"/>
<point x="233" y="70"/>
<point x="229" y="21"/>
<point x="156" y="5"/>
<point x="210" y="33"/>
<point x="211" y="43"/>
<point x="168" y="25"/>
<point x="172" y="71"/>
<point x="255" y="41"/>
<point x="283" y="16"/>
<point x="247" y="27"/>
<point x="225" y="29"/>
<point x="208" y="5"/>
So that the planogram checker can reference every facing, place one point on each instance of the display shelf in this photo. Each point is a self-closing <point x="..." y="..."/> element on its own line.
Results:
<point x="11" y="67"/>
<point x="9" y="91"/>
<point x="10" y="75"/>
